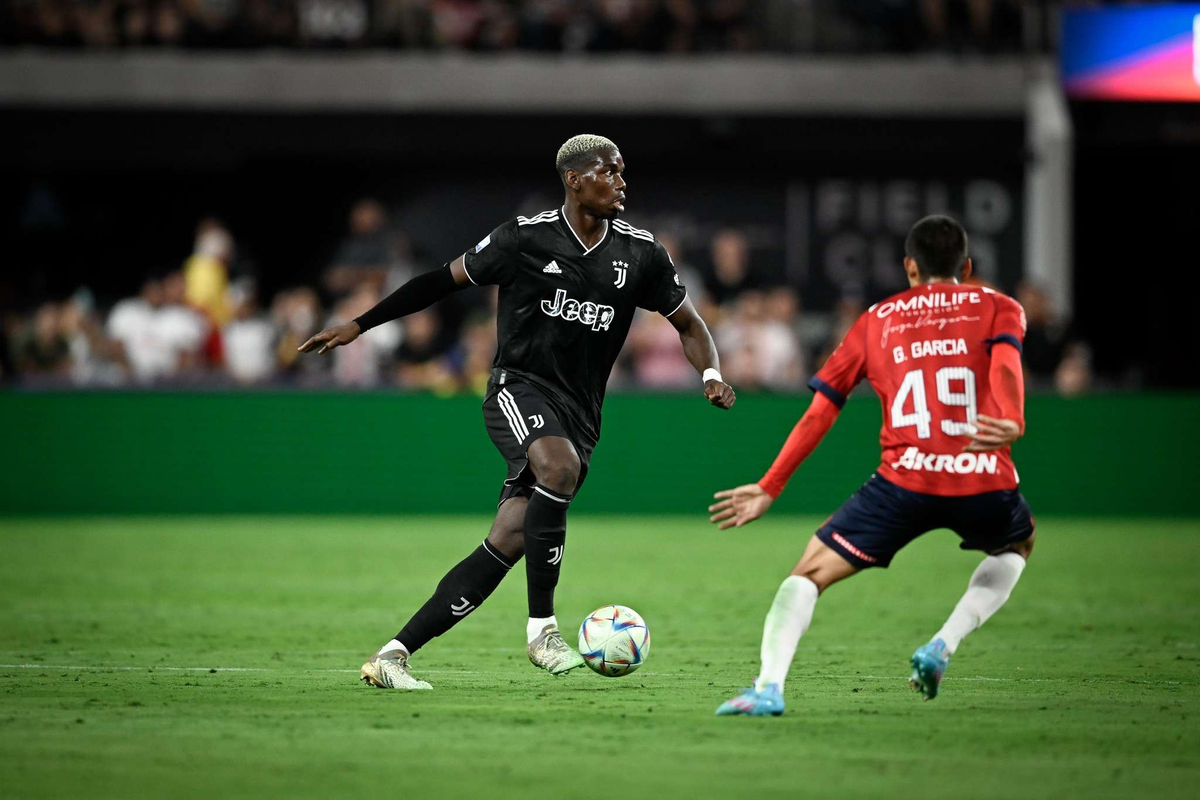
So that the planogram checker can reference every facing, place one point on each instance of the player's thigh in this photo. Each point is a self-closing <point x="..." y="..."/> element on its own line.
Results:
<point x="875" y="523"/>
<point x="823" y="565"/>
<point x="536" y="441"/>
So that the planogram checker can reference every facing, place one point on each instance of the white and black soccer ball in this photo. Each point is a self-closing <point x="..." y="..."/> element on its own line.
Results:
<point x="614" y="640"/>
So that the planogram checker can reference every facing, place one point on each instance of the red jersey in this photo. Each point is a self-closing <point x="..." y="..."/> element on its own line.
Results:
<point x="927" y="353"/>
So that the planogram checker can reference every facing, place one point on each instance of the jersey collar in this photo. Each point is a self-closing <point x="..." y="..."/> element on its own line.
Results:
<point x="586" y="250"/>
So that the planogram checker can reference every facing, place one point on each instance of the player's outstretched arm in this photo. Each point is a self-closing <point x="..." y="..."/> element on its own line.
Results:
<point x="702" y="353"/>
<point x="737" y="507"/>
<point x="419" y="293"/>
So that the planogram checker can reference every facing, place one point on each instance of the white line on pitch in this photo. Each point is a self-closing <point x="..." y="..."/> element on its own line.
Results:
<point x="991" y="680"/>
<point x="126" y="668"/>
<point x="436" y="671"/>
<point x="135" y="669"/>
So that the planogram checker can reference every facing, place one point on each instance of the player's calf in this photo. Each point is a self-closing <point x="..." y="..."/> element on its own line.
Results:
<point x="988" y="590"/>
<point x="556" y="467"/>
<point x="545" y="546"/>
<point x="461" y="591"/>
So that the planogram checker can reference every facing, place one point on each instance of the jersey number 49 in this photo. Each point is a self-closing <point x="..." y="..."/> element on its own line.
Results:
<point x="948" y="379"/>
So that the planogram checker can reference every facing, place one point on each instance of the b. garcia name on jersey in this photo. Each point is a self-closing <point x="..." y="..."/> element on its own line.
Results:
<point x="961" y="464"/>
<point x="931" y="347"/>
<point x="585" y="312"/>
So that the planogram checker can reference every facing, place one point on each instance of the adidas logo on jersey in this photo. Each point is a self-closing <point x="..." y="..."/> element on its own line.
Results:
<point x="552" y="268"/>
<point x="585" y="312"/>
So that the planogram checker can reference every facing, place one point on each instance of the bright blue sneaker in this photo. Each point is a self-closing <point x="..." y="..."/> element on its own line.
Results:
<point x="752" y="703"/>
<point x="929" y="665"/>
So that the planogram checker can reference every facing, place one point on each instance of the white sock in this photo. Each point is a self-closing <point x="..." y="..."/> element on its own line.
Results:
<point x="989" y="588"/>
<point x="394" y="644"/>
<point x="786" y="622"/>
<point x="534" y="628"/>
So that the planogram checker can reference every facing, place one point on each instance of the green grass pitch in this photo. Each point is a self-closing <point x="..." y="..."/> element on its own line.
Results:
<point x="218" y="657"/>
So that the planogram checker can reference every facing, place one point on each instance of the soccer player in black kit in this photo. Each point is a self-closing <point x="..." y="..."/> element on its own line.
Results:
<point x="570" y="281"/>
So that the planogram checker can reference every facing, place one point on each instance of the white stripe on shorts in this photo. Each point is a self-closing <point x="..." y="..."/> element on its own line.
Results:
<point x="512" y="421"/>
<point x="512" y="402"/>
<point x="508" y="404"/>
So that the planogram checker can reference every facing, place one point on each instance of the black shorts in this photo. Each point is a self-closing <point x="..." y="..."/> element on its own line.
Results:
<point x="881" y="517"/>
<point x="517" y="415"/>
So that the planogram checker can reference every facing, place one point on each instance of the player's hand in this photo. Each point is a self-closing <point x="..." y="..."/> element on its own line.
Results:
<point x="719" y="394"/>
<point x="992" y="433"/>
<point x="331" y="337"/>
<point x="737" y="507"/>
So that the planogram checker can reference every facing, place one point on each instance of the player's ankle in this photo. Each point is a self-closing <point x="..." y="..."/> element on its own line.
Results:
<point x="392" y="646"/>
<point x="535" y="626"/>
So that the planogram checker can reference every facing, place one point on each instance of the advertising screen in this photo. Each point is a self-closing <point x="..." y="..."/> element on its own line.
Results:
<point x="1146" y="53"/>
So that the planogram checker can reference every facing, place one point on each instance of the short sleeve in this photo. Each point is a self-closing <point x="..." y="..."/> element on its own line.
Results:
<point x="1008" y="326"/>
<point x="663" y="292"/>
<point x="846" y="367"/>
<point x="494" y="259"/>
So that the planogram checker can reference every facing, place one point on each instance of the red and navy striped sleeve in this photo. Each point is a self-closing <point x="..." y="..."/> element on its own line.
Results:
<point x="1008" y="326"/>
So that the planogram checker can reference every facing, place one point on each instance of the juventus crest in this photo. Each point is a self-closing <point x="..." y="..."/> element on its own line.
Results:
<point x="621" y="268"/>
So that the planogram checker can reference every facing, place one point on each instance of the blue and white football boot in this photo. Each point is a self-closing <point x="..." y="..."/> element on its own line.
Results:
<point x="929" y="665"/>
<point x="753" y="703"/>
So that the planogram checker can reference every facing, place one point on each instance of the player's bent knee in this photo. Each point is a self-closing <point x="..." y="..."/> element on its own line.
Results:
<point x="558" y="472"/>
<point x="822" y="565"/>
<point x="822" y="576"/>
<point x="1023" y="548"/>
<point x="561" y="478"/>
<point x="556" y="464"/>
<point x="813" y="574"/>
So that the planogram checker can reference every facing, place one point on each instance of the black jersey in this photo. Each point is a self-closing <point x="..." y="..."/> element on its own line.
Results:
<point x="564" y="309"/>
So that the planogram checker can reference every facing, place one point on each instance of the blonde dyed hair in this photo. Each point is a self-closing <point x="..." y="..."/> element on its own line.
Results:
<point x="577" y="151"/>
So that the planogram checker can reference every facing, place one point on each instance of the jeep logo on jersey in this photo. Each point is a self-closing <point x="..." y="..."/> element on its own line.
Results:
<point x="586" y="312"/>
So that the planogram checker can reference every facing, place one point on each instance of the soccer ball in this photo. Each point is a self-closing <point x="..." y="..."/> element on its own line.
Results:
<point x="614" y="640"/>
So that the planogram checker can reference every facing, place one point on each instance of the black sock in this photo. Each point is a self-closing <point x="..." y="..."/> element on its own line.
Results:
<point x="464" y="589"/>
<point x="545" y="537"/>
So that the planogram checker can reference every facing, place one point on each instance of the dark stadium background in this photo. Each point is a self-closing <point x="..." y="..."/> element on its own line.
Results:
<point x="284" y="182"/>
<point x="130" y="185"/>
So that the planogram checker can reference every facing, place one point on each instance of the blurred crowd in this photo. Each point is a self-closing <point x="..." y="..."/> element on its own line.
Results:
<point x="204" y="324"/>
<point x="532" y="25"/>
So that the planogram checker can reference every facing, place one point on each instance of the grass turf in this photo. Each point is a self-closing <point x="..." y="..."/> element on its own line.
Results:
<point x="1086" y="684"/>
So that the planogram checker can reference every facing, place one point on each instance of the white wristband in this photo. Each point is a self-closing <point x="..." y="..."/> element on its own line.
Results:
<point x="711" y="374"/>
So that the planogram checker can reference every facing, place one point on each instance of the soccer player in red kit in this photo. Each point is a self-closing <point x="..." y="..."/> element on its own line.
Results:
<point x="945" y="360"/>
